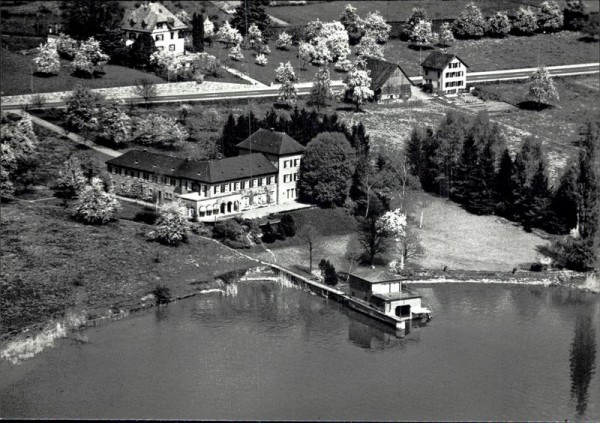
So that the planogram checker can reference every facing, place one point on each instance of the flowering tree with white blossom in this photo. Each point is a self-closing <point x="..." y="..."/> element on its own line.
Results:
<point x="358" y="86"/>
<point x="95" y="205"/>
<point x="229" y="35"/>
<point x="284" y="41"/>
<point x="46" y="62"/>
<point x="375" y="25"/>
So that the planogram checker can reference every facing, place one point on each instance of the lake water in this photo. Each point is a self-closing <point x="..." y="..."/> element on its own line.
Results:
<point x="274" y="352"/>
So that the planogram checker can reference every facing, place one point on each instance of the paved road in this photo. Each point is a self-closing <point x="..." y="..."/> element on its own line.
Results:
<point x="304" y="88"/>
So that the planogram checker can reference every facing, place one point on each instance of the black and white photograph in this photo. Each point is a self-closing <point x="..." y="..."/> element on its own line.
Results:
<point x="275" y="210"/>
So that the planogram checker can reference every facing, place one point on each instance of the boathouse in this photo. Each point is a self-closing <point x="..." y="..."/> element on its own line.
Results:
<point x="384" y="293"/>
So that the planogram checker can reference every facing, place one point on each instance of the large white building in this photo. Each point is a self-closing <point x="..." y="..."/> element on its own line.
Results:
<point x="445" y="73"/>
<point x="155" y="19"/>
<point x="264" y="174"/>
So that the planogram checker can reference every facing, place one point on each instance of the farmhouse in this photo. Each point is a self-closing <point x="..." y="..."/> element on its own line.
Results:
<point x="155" y="19"/>
<point x="264" y="174"/>
<point x="389" y="82"/>
<point x="445" y="73"/>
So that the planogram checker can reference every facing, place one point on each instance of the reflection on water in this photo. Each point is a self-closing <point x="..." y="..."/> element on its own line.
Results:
<point x="582" y="361"/>
<point x="267" y="350"/>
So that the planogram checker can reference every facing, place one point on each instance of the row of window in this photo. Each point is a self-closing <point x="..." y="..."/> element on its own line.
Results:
<point x="454" y="84"/>
<point x="292" y="177"/>
<point x="159" y="37"/>
<point x="290" y="163"/>
<point x="454" y="65"/>
<point x="291" y="193"/>
<point x="236" y="186"/>
<point x="454" y="74"/>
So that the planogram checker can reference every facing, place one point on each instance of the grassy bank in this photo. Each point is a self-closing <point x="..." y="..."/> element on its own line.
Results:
<point x="52" y="265"/>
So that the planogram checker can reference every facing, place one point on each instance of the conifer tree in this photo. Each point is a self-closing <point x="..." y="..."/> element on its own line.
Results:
<point x="505" y="186"/>
<point x="198" y="32"/>
<point x="566" y="200"/>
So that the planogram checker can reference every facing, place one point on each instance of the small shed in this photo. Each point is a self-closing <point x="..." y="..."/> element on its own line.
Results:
<point x="389" y="82"/>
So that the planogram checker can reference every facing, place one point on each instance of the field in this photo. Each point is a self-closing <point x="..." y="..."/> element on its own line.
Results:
<point x="513" y="52"/>
<point x="391" y="10"/>
<point x="451" y="237"/>
<point x="51" y="264"/>
<point x="17" y="78"/>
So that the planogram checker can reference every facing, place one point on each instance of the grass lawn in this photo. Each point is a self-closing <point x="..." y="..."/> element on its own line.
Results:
<point x="52" y="264"/>
<point x="513" y="52"/>
<point x="393" y="10"/>
<point x="16" y="76"/>
<point x="451" y="237"/>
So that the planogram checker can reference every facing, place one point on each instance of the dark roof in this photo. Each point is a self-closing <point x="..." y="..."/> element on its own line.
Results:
<point x="381" y="70"/>
<point x="145" y="17"/>
<point x="439" y="60"/>
<point x="271" y="142"/>
<point x="214" y="171"/>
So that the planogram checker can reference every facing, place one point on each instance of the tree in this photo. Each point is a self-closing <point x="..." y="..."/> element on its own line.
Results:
<point x="228" y="35"/>
<point x="368" y="47"/>
<point x="95" y="205"/>
<point x="209" y="29"/>
<point x="589" y="184"/>
<point x="89" y="59"/>
<point x="171" y="226"/>
<point x="566" y="200"/>
<point x="66" y="46"/>
<point x="46" y="62"/>
<point x="286" y="76"/>
<point x="261" y="60"/>
<point x="160" y="131"/>
<point x="115" y="125"/>
<point x="592" y="27"/>
<point x="326" y="170"/>
<point x="358" y="86"/>
<point x="446" y="37"/>
<point x="499" y="25"/>
<point x="505" y="188"/>
<point x="89" y="18"/>
<point x="284" y="41"/>
<point x="470" y="23"/>
<point x="198" y="32"/>
<point x="550" y="17"/>
<point x="18" y="145"/>
<point x="288" y="223"/>
<point x="146" y="89"/>
<point x="254" y="37"/>
<point x="321" y="90"/>
<point x="235" y="53"/>
<point x="311" y="239"/>
<point x="70" y="178"/>
<point x="410" y="246"/>
<point x="421" y="33"/>
<point x="83" y="109"/>
<point x="330" y="42"/>
<point x="328" y="272"/>
<point x="373" y="237"/>
<point x="251" y="13"/>
<point x="375" y="25"/>
<point x="541" y="88"/>
<point x="418" y="14"/>
<point x="525" y="22"/>
<point x="353" y="23"/>
<point x="575" y="15"/>
<point x="140" y="51"/>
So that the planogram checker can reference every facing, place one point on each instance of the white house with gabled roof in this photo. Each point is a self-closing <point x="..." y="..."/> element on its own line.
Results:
<point x="445" y="73"/>
<point x="155" y="19"/>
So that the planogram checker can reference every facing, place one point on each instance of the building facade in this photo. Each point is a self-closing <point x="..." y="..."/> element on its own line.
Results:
<point x="216" y="189"/>
<point x="445" y="73"/>
<point x="155" y="19"/>
<point x="389" y="82"/>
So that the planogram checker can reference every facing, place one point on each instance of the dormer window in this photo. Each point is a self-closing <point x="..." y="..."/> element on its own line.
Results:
<point x="159" y="25"/>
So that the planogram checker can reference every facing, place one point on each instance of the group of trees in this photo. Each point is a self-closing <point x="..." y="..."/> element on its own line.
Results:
<point x="88" y="59"/>
<point x="467" y="160"/>
<point x="549" y="18"/>
<point x="88" y="112"/>
<point x="18" y="159"/>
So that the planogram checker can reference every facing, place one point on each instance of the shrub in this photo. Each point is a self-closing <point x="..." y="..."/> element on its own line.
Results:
<point x="470" y="23"/>
<point x="147" y="215"/>
<point x="574" y="254"/>
<point x="66" y="46"/>
<point x="200" y="228"/>
<point x="330" y="276"/>
<point x="525" y="22"/>
<point x="288" y="223"/>
<point x="89" y="59"/>
<point x="171" y="225"/>
<point x="268" y="234"/>
<point x="261" y="60"/>
<point x="162" y="294"/>
<point x="236" y="244"/>
<point x="160" y="131"/>
<point x="95" y="205"/>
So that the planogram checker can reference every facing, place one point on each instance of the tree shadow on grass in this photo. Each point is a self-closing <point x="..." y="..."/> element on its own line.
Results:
<point x="534" y="106"/>
<point x="589" y="39"/>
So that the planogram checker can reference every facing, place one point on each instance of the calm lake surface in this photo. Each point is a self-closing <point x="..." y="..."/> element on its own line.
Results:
<point x="275" y="352"/>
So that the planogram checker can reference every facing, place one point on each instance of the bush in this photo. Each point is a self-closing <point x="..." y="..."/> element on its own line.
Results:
<point x="268" y="234"/>
<point x="330" y="276"/>
<point x="229" y="230"/>
<point x="288" y="225"/>
<point x="200" y="228"/>
<point x="162" y="294"/>
<point x="485" y="95"/>
<point x="171" y="225"/>
<point x="147" y="215"/>
<point x="574" y="254"/>
<point x="236" y="244"/>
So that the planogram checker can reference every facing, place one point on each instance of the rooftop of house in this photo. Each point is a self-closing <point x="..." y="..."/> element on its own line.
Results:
<point x="381" y="70"/>
<point x="212" y="172"/>
<point x="374" y="276"/>
<point x="439" y="60"/>
<point x="269" y="141"/>
<point x="393" y="296"/>
<point x="145" y="17"/>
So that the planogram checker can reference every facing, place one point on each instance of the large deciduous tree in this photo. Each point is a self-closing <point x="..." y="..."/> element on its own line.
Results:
<point x="84" y="108"/>
<point x="251" y="12"/>
<point x="353" y="23"/>
<point x="18" y="145"/>
<point x="550" y="17"/>
<point x="70" y="178"/>
<point x="159" y="131"/>
<point x="470" y="23"/>
<point x="375" y="25"/>
<point x="576" y="15"/>
<point x="326" y="170"/>
<point x="542" y="89"/>
<point x="321" y="91"/>
<point x="229" y="35"/>
<point x="95" y="205"/>
<point x="89" y="59"/>
<point x="46" y="62"/>
<point x="89" y="18"/>
<point x="499" y="25"/>
<point x="525" y="23"/>
<point x="358" y="86"/>
<point x="140" y="51"/>
<point x="171" y="227"/>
